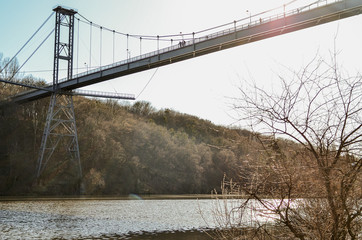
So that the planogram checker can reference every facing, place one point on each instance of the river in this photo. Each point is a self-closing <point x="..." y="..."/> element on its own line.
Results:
<point x="103" y="219"/>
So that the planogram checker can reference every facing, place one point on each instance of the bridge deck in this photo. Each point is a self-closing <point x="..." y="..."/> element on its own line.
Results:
<point x="254" y="31"/>
<point x="99" y="94"/>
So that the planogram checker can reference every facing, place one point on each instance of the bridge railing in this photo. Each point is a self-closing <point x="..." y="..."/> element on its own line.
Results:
<point x="90" y="93"/>
<point x="257" y="20"/>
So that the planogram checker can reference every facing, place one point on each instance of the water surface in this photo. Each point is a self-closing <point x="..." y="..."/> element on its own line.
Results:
<point x="77" y="219"/>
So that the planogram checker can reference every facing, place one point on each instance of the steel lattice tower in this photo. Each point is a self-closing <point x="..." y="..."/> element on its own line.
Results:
<point x="60" y="126"/>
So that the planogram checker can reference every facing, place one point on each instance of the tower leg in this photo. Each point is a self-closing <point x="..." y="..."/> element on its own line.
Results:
<point x="60" y="131"/>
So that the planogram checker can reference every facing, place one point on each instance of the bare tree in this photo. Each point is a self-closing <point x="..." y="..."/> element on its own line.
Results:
<point x="311" y="156"/>
<point x="8" y="68"/>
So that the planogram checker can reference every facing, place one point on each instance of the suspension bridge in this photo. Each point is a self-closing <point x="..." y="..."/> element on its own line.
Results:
<point x="182" y="47"/>
<point x="197" y="44"/>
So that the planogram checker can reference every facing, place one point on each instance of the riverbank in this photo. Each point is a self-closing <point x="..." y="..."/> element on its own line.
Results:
<point x="174" y="235"/>
<point x="123" y="197"/>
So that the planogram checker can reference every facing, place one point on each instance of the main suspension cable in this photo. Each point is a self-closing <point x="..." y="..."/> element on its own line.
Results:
<point x="51" y="32"/>
<point x="28" y="41"/>
<point x="191" y="34"/>
<point x="46" y="38"/>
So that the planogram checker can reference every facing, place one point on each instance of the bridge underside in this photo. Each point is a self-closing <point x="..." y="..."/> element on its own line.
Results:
<point x="208" y="44"/>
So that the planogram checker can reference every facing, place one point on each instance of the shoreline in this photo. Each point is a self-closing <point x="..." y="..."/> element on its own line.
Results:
<point x="121" y="197"/>
<point x="193" y="234"/>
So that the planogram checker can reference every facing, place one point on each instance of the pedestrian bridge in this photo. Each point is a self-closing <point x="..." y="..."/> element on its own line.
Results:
<point x="208" y="41"/>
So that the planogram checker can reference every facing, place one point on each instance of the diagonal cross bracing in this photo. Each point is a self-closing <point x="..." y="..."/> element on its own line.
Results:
<point x="60" y="130"/>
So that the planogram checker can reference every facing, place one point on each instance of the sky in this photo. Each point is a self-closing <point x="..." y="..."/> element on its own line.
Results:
<point x="204" y="86"/>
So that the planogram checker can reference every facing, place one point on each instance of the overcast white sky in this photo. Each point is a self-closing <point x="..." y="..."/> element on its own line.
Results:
<point x="201" y="86"/>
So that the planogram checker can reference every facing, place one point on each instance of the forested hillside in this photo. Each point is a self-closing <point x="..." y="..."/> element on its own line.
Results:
<point x="124" y="148"/>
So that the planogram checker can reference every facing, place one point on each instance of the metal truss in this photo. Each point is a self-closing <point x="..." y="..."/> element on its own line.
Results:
<point x="60" y="132"/>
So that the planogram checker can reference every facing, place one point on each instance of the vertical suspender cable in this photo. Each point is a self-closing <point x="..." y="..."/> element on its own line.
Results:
<point x="100" y="47"/>
<point x="78" y="46"/>
<point x="193" y="42"/>
<point x="90" y="45"/>
<point x="140" y="46"/>
<point x="127" y="46"/>
<point x="158" y="44"/>
<point x="113" y="44"/>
